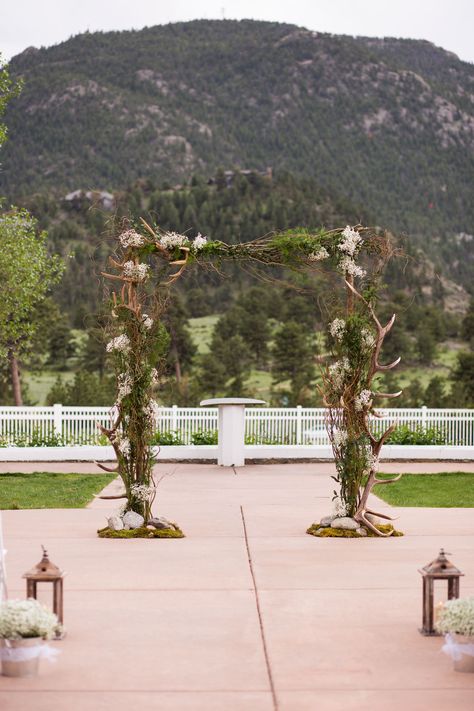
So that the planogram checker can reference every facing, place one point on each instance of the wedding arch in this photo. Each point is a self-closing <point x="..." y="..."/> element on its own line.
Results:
<point x="149" y="260"/>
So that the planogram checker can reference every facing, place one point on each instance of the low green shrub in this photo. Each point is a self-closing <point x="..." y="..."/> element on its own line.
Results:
<point x="404" y="434"/>
<point x="204" y="437"/>
<point x="167" y="438"/>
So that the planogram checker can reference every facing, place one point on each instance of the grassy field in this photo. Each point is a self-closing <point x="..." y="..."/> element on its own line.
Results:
<point x="444" y="490"/>
<point x="39" y="384"/>
<point x="201" y="331"/>
<point x="46" y="490"/>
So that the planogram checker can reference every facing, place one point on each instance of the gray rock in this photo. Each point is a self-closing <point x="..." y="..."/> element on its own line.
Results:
<point x="327" y="520"/>
<point x="362" y="531"/>
<point x="160" y="522"/>
<point x="115" y="523"/>
<point x="132" y="520"/>
<point x="346" y="523"/>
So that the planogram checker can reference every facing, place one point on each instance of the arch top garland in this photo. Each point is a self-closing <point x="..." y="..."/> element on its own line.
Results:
<point x="348" y="390"/>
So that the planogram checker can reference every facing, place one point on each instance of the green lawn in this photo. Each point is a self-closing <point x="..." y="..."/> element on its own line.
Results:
<point x="47" y="490"/>
<point x="444" y="490"/>
<point x="39" y="384"/>
<point x="201" y="331"/>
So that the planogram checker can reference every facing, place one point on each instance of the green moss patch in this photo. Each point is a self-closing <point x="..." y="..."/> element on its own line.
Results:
<point x="142" y="532"/>
<point x="327" y="532"/>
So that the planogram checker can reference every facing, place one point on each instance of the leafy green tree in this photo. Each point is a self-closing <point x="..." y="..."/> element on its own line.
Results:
<point x="467" y="327"/>
<point x="435" y="393"/>
<point x="27" y="272"/>
<point x="293" y="360"/>
<point x="463" y="375"/>
<point x="8" y="90"/>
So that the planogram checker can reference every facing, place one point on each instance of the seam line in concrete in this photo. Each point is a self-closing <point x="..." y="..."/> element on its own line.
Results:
<point x="259" y="613"/>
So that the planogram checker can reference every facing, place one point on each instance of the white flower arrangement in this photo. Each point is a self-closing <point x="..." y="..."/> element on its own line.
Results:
<point x="351" y="242"/>
<point x="137" y="272"/>
<point x="199" y="243"/>
<point x="368" y="339"/>
<point x="151" y="410"/>
<point x="21" y="619"/>
<point x="362" y="400"/>
<point x="338" y="371"/>
<point x="371" y="461"/>
<point x="171" y="240"/>
<point x="318" y="256"/>
<point x="130" y="238"/>
<point x="339" y="507"/>
<point x="154" y="376"/>
<point x="142" y="492"/>
<point x="348" y="266"/>
<point x="457" y="617"/>
<point x="121" y="344"/>
<point x="337" y="328"/>
<point x="147" y="321"/>
<point x="340" y="438"/>
<point x="124" y="447"/>
<point x="125" y="385"/>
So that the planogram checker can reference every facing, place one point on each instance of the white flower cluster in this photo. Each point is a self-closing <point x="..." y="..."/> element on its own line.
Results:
<point x="457" y="616"/>
<point x="125" y="384"/>
<point x="147" y="321"/>
<point x="137" y="272"/>
<point x="371" y="460"/>
<point x="337" y="328"/>
<point x="124" y="447"/>
<point x="318" y="256"/>
<point x="170" y="240"/>
<point x="26" y="618"/>
<point x="348" y="266"/>
<point x="340" y="438"/>
<point x="142" y="492"/>
<point x="338" y="372"/>
<point x="121" y="343"/>
<point x="351" y="243"/>
<point x="198" y="243"/>
<point x="154" y="376"/>
<point x="130" y="238"/>
<point x="151" y="410"/>
<point x="350" y="246"/>
<point x="339" y="507"/>
<point x="362" y="400"/>
<point x="368" y="339"/>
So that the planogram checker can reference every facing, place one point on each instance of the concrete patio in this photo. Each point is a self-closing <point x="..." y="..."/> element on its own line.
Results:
<point x="247" y="613"/>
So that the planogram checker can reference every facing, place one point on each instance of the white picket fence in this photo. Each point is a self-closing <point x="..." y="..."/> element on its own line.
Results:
<point x="25" y="426"/>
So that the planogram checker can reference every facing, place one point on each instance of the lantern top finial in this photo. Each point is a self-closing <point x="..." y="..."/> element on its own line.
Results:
<point x="44" y="570"/>
<point x="441" y="567"/>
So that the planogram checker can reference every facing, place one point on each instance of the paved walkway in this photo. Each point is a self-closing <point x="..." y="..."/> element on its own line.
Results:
<point x="247" y="613"/>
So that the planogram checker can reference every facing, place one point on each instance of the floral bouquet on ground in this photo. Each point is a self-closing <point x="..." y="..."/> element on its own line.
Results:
<point x="456" y="622"/>
<point x="24" y="624"/>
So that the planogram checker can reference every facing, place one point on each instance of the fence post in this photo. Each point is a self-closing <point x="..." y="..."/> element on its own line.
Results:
<point x="424" y="416"/>
<point x="299" y="424"/>
<point x="174" y="418"/>
<point x="58" y="419"/>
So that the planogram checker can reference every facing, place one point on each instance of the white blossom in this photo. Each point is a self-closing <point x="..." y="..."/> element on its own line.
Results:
<point x="170" y="240"/>
<point x="348" y="266"/>
<point x="151" y="410"/>
<point x="147" y="321"/>
<point x="339" y="507"/>
<point x="199" y="243"/>
<point x="121" y="343"/>
<point x="351" y="241"/>
<point x="457" y="616"/>
<point x="338" y="371"/>
<point x="154" y="376"/>
<point x="318" y="256"/>
<point x="372" y="461"/>
<point x="130" y="238"/>
<point x="26" y="618"/>
<point x="137" y="272"/>
<point x="125" y="384"/>
<point x="336" y="328"/>
<point x="124" y="447"/>
<point x="340" y="438"/>
<point x="362" y="400"/>
<point x="368" y="339"/>
<point x="142" y="492"/>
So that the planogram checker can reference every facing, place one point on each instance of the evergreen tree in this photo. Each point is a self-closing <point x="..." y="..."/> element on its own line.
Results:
<point x="293" y="360"/>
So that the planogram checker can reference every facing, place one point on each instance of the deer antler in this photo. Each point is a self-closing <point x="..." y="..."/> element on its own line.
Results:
<point x="183" y="262"/>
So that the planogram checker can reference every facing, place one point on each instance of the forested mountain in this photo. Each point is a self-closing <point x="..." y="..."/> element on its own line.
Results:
<point x="386" y="123"/>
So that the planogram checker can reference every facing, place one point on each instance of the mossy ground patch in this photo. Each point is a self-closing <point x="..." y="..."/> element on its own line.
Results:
<point x="327" y="532"/>
<point x="142" y="532"/>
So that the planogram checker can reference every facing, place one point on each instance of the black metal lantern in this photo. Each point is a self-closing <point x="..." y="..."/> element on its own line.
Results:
<point x="47" y="572"/>
<point x="439" y="569"/>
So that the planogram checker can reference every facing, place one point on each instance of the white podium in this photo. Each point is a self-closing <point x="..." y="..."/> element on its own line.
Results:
<point x="231" y="428"/>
